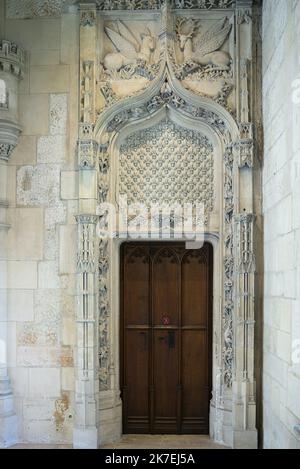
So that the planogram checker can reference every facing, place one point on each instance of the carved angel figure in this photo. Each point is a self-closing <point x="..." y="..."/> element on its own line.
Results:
<point x="129" y="49"/>
<point x="204" y="50"/>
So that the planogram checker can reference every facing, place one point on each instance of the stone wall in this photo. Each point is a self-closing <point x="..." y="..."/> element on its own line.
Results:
<point x="42" y="238"/>
<point x="281" y="178"/>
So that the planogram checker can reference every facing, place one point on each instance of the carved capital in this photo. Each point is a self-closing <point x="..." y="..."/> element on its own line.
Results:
<point x="87" y="153"/>
<point x="244" y="151"/>
<point x="6" y="150"/>
<point x="12" y="58"/>
<point x="86" y="259"/>
<point x="9" y="135"/>
<point x="86" y="219"/>
<point x="244" y="236"/>
<point x="87" y="15"/>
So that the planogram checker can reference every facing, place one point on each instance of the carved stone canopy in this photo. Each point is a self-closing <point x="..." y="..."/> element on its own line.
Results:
<point x="12" y="58"/>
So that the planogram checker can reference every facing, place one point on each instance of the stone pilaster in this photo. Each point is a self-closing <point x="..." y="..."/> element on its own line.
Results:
<point x="244" y="392"/>
<point x="87" y="378"/>
<point x="86" y="431"/>
<point x="11" y="70"/>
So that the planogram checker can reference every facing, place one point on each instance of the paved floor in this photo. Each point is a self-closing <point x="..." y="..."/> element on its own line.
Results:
<point x="164" y="442"/>
<point x="145" y="442"/>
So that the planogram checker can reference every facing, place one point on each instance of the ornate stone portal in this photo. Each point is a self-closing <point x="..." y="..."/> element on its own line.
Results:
<point x="182" y="70"/>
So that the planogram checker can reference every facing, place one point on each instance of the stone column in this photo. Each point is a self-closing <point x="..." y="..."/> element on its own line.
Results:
<point x="11" y="69"/>
<point x="86" y="431"/>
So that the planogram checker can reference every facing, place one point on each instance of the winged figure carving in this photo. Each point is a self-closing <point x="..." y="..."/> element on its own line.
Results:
<point x="204" y="49"/>
<point x="128" y="49"/>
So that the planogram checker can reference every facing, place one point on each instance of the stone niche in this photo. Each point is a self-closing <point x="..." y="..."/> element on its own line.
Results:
<point x="166" y="87"/>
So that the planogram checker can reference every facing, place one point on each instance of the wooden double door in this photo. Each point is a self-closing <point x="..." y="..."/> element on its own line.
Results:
<point x="166" y="312"/>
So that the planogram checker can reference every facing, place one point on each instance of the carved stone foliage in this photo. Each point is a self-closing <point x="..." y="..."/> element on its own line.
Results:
<point x="103" y="315"/>
<point x="34" y="8"/>
<point x="87" y="18"/>
<point x="228" y="306"/>
<point x="52" y="8"/>
<point x="156" y="4"/>
<point x="6" y="150"/>
<point x="103" y="268"/>
<point x="167" y="164"/>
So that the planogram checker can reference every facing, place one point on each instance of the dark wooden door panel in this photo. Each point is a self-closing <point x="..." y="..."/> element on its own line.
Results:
<point x="136" y="380"/>
<point x="195" y="288"/>
<point x="195" y="381"/>
<point x="165" y="286"/>
<point x="136" y="286"/>
<point x="165" y="380"/>
<point x="166" y="318"/>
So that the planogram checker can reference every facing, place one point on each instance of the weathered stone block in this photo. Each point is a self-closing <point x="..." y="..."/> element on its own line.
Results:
<point x="48" y="275"/>
<point x="38" y="185"/>
<point x="22" y="275"/>
<point x="49" y="79"/>
<point x="31" y="334"/>
<point x="25" y="239"/>
<point x="69" y="185"/>
<point x="58" y="114"/>
<point x="25" y="151"/>
<point x="51" y="149"/>
<point x="20" y="305"/>
<point x="68" y="249"/>
<point x="34" y="34"/>
<point x="44" y="383"/>
<point x="34" y="105"/>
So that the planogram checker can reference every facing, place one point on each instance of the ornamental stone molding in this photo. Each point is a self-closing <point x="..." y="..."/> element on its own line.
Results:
<point x="180" y="90"/>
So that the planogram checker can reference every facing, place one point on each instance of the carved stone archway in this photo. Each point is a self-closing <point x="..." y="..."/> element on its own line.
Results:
<point x="233" y="406"/>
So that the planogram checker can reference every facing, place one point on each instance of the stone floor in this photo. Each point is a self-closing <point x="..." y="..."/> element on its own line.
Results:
<point x="145" y="442"/>
<point x="165" y="442"/>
